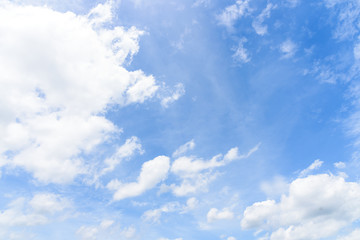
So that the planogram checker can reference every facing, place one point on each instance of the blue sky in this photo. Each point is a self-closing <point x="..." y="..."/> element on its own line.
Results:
<point x="180" y="120"/>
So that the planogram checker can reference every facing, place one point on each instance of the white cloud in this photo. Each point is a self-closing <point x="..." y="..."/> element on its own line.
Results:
<point x="354" y="235"/>
<point x="347" y="13"/>
<point x="258" y="23"/>
<point x="48" y="203"/>
<point x="87" y="232"/>
<point x="31" y="212"/>
<point x="241" y="54"/>
<point x="106" y="223"/>
<point x="154" y="215"/>
<point x="325" y="72"/>
<point x="215" y="214"/>
<point x="288" y="48"/>
<point x="191" y="204"/>
<point x="189" y="165"/>
<point x="129" y="232"/>
<point x="234" y="12"/>
<point x="340" y="165"/>
<point x="315" y="165"/>
<point x="184" y="148"/>
<point x="231" y="238"/>
<point x="196" y="174"/>
<point x="104" y="230"/>
<point x="174" y="95"/>
<point x="125" y="151"/>
<point x="101" y="14"/>
<point x="315" y="207"/>
<point x="152" y="172"/>
<point x="59" y="73"/>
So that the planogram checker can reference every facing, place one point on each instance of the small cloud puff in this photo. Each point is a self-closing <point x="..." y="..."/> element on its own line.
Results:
<point x="215" y="214"/>
<point x="288" y="48"/>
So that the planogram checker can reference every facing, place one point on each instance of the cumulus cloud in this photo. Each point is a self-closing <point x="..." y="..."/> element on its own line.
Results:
<point x="48" y="203"/>
<point x="340" y="165"/>
<point x="152" y="172"/>
<point x="233" y="12"/>
<point x="352" y="236"/>
<point x="215" y="214"/>
<point x="196" y="173"/>
<point x="258" y="23"/>
<point x="59" y="73"/>
<point x="31" y="212"/>
<point x="315" y="207"/>
<point x="288" y="48"/>
<point x="315" y="165"/>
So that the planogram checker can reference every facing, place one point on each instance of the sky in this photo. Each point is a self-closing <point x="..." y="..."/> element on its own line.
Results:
<point x="180" y="119"/>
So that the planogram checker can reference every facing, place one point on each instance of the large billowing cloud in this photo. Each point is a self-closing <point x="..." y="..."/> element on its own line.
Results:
<point x="60" y="72"/>
<point x="316" y="207"/>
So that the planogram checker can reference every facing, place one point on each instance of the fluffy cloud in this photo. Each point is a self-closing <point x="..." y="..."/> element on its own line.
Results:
<point x="340" y="165"/>
<point x="48" y="203"/>
<point x="215" y="214"/>
<point x="22" y="212"/>
<point x="257" y="24"/>
<point x="196" y="173"/>
<point x="152" y="172"/>
<point x="234" y="12"/>
<point x="352" y="236"/>
<point x="315" y="207"/>
<point x="288" y="48"/>
<point x="59" y="73"/>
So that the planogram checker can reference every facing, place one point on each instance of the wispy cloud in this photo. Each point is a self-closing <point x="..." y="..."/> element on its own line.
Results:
<point x="258" y="23"/>
<point x="233" y="12"/>
<point x="241" y="54"/>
